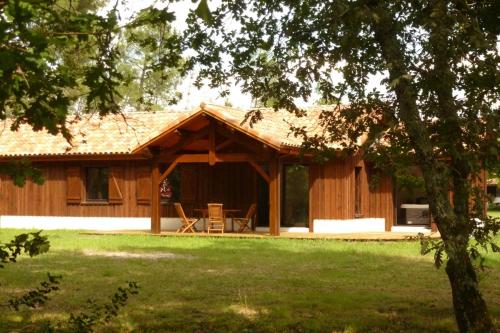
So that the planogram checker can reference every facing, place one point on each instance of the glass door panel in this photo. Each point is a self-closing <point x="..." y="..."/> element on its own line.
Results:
<point x="295" y="204"/>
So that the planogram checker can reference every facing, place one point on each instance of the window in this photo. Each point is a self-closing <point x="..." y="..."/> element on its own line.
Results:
<point x="357" y="192"/>
<point x="411" y="202"/>
<point x="96" y="184"/>
<point x="295" y="204"/>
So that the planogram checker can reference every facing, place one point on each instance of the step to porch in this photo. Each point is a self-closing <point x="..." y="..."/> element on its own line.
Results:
<point x="425" y="229"/>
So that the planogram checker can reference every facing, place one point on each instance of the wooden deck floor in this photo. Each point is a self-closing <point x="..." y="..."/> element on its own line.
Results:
<point x="366" y="236"/>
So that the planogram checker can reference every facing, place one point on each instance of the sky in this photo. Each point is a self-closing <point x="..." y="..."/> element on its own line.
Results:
<point x="192" y="96"/>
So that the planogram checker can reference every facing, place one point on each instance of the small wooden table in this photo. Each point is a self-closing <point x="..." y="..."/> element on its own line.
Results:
<point x="227" y="213"/>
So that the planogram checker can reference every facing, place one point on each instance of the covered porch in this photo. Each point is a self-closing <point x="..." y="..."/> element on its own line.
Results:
<point x="214" y="160"/>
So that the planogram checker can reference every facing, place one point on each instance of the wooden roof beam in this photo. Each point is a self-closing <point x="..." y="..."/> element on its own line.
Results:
<point x="260" y="171"/>
<point x="185" y="140"/>
<point x="225" y="144"/>
<point x="169" y="170"/>
<point x="219" y="158"/>
<point x="239" y="139"/>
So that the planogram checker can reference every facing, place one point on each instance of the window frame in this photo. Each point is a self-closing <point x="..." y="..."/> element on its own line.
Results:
<point x="86" y="199"/>
<point x="283" y="196"/>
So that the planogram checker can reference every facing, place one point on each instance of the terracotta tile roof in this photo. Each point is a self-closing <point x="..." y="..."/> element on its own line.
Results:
<point x="274" y="127"/>
<point x="114" y="134"/>
<point x="124" y="134"/>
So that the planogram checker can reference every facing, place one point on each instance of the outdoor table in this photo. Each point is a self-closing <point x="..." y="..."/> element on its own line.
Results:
<point x="227" y="212"/>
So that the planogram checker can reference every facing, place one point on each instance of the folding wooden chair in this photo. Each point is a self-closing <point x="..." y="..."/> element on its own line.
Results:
<point x="244" y="222"/>
<point x="216" y="218"/>
<point x="187" y="224"/>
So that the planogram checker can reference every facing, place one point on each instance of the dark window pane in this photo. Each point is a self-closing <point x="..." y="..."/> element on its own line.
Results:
<point x="97" y="184"/>
<point x="296" y="196"/>
<point x="411" y="200"/>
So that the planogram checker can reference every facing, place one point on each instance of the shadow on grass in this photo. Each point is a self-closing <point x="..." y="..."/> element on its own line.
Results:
<point x="253" y="286"/>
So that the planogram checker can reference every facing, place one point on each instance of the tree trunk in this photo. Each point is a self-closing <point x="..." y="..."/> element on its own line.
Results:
<point x="470" y="309"/>
<point x="471" y="312"/>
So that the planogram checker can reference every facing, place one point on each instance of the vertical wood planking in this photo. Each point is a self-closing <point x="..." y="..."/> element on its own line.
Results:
<point x="49" y="199"/>
<point x="332" y="192"/>
<point x="233" y="184"/>
<point x="274" y="188"/>
<point x="155" y="194"/>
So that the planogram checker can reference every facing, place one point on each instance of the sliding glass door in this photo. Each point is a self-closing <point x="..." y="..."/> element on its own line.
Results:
<point x="295" y="196"/>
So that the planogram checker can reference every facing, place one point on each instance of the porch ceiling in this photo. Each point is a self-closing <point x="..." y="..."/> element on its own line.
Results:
<point x="213" y="143"/>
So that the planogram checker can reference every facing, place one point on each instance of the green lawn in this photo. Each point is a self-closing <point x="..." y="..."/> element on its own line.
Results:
<point x="494" y="213"/>
<point x="246" y="285"/>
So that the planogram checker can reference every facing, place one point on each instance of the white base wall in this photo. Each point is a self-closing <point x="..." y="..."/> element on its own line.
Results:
<point x="338" y="226"/>
<point x="75" y="222"/>
<point x="172" y="224"/>
<point x="349" y="226"/>
<point x="93" y="223"/>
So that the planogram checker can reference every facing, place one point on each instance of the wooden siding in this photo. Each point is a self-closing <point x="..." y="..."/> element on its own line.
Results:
<point x="233" y="184"/>
<point x="332" y="192"/>
<point x="50" y="199"/>
<point x="381" y="201"/>
<point x="143" y="187"/>
<point x="73" y="184"/>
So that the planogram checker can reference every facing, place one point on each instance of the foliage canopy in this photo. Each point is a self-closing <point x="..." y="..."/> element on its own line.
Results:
<point x="435" y="103"/>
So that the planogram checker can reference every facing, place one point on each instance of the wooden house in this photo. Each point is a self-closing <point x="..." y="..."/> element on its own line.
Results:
<point x="109" y="177"/>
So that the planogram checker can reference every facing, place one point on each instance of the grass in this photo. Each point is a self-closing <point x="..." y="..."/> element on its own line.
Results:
<point x="494" y="213"/>
<point x="246" y="285"/>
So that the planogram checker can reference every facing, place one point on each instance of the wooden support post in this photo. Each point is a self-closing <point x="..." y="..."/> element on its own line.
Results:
<point x="155" y="194"/>
<point x="211" y="144"/>
<point x="274" y="197"/>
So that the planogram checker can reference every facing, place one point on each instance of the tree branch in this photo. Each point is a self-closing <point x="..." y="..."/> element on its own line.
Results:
<point x="406" y="95"/>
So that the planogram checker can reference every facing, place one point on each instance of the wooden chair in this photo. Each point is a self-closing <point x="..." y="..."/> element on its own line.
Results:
<point x="244" y="222"/>
<point x="216" y="218"/>
<point x="187" y="224"/>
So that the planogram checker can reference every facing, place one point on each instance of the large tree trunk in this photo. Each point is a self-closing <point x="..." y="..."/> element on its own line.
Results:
<point x="471" y="311"/>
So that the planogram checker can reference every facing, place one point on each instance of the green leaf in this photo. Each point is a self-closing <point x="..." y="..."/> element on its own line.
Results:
<point x="203" y="12"/>
<point x="495" y="248"/>
<point x="438" y="258"/>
